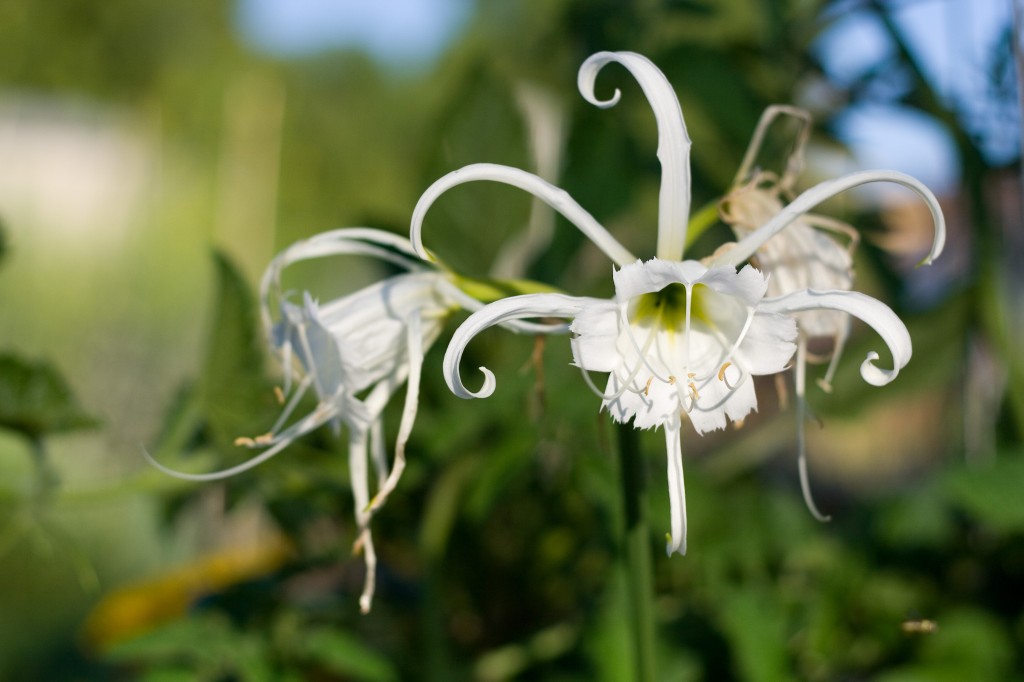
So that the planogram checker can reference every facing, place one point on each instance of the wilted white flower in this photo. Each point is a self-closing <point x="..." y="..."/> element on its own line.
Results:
<point x="355" y="352"/>
<point x="682" y="338"/>
<point x="813" y="252"/>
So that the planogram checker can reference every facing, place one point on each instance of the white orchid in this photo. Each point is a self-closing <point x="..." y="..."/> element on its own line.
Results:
<point x="813" y="252"/>
<point x="682" y="338"/>
<point x="355" y="352"/>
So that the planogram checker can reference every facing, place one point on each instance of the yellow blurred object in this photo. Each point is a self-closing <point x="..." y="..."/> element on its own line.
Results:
<point x="137" y="608"/>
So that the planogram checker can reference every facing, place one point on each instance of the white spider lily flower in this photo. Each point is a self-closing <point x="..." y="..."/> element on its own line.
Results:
<point x="681" y="339"/>
<point x="813" y="252"/>
<point x="355" y="352"/>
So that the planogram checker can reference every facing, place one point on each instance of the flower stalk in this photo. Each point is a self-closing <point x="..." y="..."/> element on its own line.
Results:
<point x="636" y="548"/>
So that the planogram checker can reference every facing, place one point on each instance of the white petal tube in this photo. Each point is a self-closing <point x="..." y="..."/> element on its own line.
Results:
<point x="500" y="312"/>
<point x="557" y="198"/>
<point x="746" y="247"/>
<point x="875" y="313"/>
<point x="673" y="142"/>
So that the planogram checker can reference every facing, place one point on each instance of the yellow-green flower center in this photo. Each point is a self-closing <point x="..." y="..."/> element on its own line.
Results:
<point x="667" y="308"/>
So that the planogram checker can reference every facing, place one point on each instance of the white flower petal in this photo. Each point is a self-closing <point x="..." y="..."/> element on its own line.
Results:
<point x="801" y="441"/>
<point x="319" y="417"/>
<point x="768" y="344"/>
<point x="676" y="487"/>
<point x="499" y="312"/>
<point x="875" y="313"/>
<point x="746" y="247"/>
<point x="673" y="142"/>
<point x="747" y="286"/>
<point x="409" y="409"/>
<point x="358" y="470"/>
<point x="363" y="241"/>
<point x="557" y="198"/>
<point x="596" y="335"/>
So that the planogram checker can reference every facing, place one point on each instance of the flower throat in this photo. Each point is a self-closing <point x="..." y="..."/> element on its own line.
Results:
<point x="666" y="308"/>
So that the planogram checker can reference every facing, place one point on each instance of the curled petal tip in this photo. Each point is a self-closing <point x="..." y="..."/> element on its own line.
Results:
<point x="489" y="385"/>
<point x="875" y="375"/>
<point x="674" y="547"/>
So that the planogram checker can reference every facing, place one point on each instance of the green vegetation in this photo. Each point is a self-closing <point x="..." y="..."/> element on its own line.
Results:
<point x="501" y="550"/>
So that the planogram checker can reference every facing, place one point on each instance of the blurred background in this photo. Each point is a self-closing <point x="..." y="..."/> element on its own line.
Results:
<point x="153" y="158"/>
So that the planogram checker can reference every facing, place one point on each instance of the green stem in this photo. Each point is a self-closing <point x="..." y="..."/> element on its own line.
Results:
<point x="637" y="549"/>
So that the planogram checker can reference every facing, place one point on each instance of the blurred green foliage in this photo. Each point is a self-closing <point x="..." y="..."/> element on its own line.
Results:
<point x="500" y="550"/>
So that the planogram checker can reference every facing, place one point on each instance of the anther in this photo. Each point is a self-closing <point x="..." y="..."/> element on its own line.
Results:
<point x="243" y="440"/>
<point x="279" y="394"/>
<point x="694" y="395"/>
<point x="647" y="388"/>
<point x="721" y="372"/>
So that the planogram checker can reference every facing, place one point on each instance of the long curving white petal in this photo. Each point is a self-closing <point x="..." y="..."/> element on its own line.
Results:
<point x="676" y="488"/>
<point x="500" y="312"/>
<point x="673" y="142"/>
<point x="414" y="341"/>
<point x="322" y="415"/>
<point x="801" y="424"/>
<point x="875" y="313"/>
<point x="357" y="468"/>
<point x="746" y="247"/>
<point x="361" y="241"/>
<point x="470" y="304"/>
<point x="557" y="198"/>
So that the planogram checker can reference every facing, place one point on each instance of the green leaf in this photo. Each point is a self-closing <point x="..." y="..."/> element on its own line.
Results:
<point x="341" y="653"/>
<point x="206" y="643"/>
<point x="992" y="494"/>
<point x="755" y="624"/>
<point x="232" y="350"/>
<point x="3" y="240"/>
<point x="35" y="400"/>
<point x="234" y="395"/>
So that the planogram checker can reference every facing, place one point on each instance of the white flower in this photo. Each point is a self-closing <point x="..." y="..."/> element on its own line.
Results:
<point x="681" y="338"/>
<point x="807" y="254"/>
<point x="355" y="352"/>
<point x="814" y="252"/>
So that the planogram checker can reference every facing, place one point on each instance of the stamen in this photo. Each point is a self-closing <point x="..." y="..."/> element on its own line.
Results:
<point x="642" y="352"/>
<point x="693" y="391"/>
<point x="300" y="391"/>
<point x="632" y="374"/>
